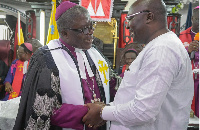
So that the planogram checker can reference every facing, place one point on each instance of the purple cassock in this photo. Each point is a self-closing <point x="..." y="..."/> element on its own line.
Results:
<point x="75" y="113"/>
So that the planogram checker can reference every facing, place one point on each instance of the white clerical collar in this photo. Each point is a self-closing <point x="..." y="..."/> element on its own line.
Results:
<point x="78" y="50"/>
<point x="25" y="68"/>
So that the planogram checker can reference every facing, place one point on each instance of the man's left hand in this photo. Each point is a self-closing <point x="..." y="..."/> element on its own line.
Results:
<point x="92" y="118"/>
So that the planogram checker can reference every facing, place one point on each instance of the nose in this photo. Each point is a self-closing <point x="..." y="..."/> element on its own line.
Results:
<point x="90" y="31"/>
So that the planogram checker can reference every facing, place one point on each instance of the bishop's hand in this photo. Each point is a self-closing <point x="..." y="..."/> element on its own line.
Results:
<point x="194" y="46"/>
<point x="93" y="117"/>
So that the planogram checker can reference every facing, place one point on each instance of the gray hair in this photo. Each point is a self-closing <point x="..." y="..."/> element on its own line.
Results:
<point x="70" y="16"/>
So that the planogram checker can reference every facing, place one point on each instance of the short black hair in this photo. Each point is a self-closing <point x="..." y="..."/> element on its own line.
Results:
<point x="131" y="51"/>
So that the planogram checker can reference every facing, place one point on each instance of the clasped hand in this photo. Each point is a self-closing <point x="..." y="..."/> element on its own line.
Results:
<point x="194" y="46"/>
<point x="92" y="118"/>
<point x="8" y="87"/>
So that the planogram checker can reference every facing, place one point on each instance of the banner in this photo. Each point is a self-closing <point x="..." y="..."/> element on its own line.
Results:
<point x="19" y="38"/>
<point x="53" y="31"/>
<point x="124" y="35"/>
<point x="99" y="10"/>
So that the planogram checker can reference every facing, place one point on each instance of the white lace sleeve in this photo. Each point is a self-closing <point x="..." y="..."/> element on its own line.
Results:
<point x="8" y="113"/>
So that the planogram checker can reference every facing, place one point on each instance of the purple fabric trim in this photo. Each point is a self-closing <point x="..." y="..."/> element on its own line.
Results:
<point x="62" y="8"/>
<point x="13" y="66"/>
<point x="196" y="59"/>
<point x="88" y="93"/>
<point x="71" y="48"/>
<point x="196" y="7"/>
<point x="192" y="35"/>
<point x="29" y="46"/>
<point x="10" y="75"/>
<point x="69" y="116"/>
<point x="122" y="74"/>
<point x="112" y="87"/>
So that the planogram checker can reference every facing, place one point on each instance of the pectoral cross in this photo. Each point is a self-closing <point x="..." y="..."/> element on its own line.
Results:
<point x="14" y="94"/>
<point x="103" y="69"/>
<point x="20" y="67"/>
<point x="95" y="98"/>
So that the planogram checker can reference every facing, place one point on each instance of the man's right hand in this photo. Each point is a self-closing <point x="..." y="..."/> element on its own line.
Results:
<point x="194" y="46"/>
<point x="8" y="87"/>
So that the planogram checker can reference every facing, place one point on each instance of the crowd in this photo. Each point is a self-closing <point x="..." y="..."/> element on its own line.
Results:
<point x="66" y="84"/>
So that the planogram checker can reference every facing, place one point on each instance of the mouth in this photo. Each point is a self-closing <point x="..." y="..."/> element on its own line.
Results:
<point x="88" y="43"/>
<point x="89" y="40"/>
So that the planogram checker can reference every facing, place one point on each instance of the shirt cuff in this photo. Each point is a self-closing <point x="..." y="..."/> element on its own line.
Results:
<point x="107" y="113"/>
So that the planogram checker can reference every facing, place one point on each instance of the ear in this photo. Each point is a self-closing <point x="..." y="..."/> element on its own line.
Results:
<point x="150" y="17"/>
<point x="64" y="34"/>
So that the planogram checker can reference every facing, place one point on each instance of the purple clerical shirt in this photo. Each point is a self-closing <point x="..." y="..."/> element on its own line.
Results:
<point x="69" y="115"/>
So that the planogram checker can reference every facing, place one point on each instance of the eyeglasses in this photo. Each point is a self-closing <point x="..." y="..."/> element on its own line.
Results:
<point x="86" y="30"/>
<point x="129" y="17"/>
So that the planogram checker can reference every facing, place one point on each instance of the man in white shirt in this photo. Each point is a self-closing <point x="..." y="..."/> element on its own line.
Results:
<point x="156" y="93"/>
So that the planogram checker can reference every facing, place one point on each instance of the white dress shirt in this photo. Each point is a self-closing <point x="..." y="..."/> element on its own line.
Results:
<point x="157" y="92"/>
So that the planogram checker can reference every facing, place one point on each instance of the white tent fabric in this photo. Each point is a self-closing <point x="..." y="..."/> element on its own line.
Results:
<point x="8" y="113"/>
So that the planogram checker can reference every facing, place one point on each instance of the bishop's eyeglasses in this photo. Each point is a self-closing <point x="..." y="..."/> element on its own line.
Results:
<point x="86" y="30"/>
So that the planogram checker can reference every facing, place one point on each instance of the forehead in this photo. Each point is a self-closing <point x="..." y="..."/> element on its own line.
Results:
<point x="130" y="54"/>
<point x="21" y="49"/>
<point x="137" y="7"/>
<point x="82" y="20"/>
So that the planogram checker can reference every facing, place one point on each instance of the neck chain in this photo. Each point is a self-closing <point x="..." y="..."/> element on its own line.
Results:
<point x="91" y="89"/>
<point x="193" y="31"/>
<point x="196" y="66"/>
<point x="196" y="70"/>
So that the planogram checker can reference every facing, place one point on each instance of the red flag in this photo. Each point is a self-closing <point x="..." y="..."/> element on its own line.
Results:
<point x="123" y="32"/>
<point x="100" y="10"/>
<point x="18" y="41"/>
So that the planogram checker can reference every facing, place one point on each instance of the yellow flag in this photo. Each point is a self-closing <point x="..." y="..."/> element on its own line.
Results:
<point x="21" y="39"/>
<point x="53" y="31"/>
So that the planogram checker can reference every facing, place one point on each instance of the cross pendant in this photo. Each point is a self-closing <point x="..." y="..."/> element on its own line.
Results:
<point x="95" y="98"/>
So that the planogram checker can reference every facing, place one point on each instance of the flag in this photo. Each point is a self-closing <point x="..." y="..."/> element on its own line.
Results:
<point x="18" y="41"/>
<point x="99" y="10"/>
<point x="124" y="34"/>
<point x="53" y="31"/>
<point x="189" y="17"/>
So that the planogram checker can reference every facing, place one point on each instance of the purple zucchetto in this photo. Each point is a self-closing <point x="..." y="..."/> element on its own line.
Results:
<point x="196" y="7"/>
<point x="64" y="6"/>
<point x="28" y="46"/>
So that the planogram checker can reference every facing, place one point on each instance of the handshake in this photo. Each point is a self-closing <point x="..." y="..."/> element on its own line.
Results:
<point x="93" y="117"/>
